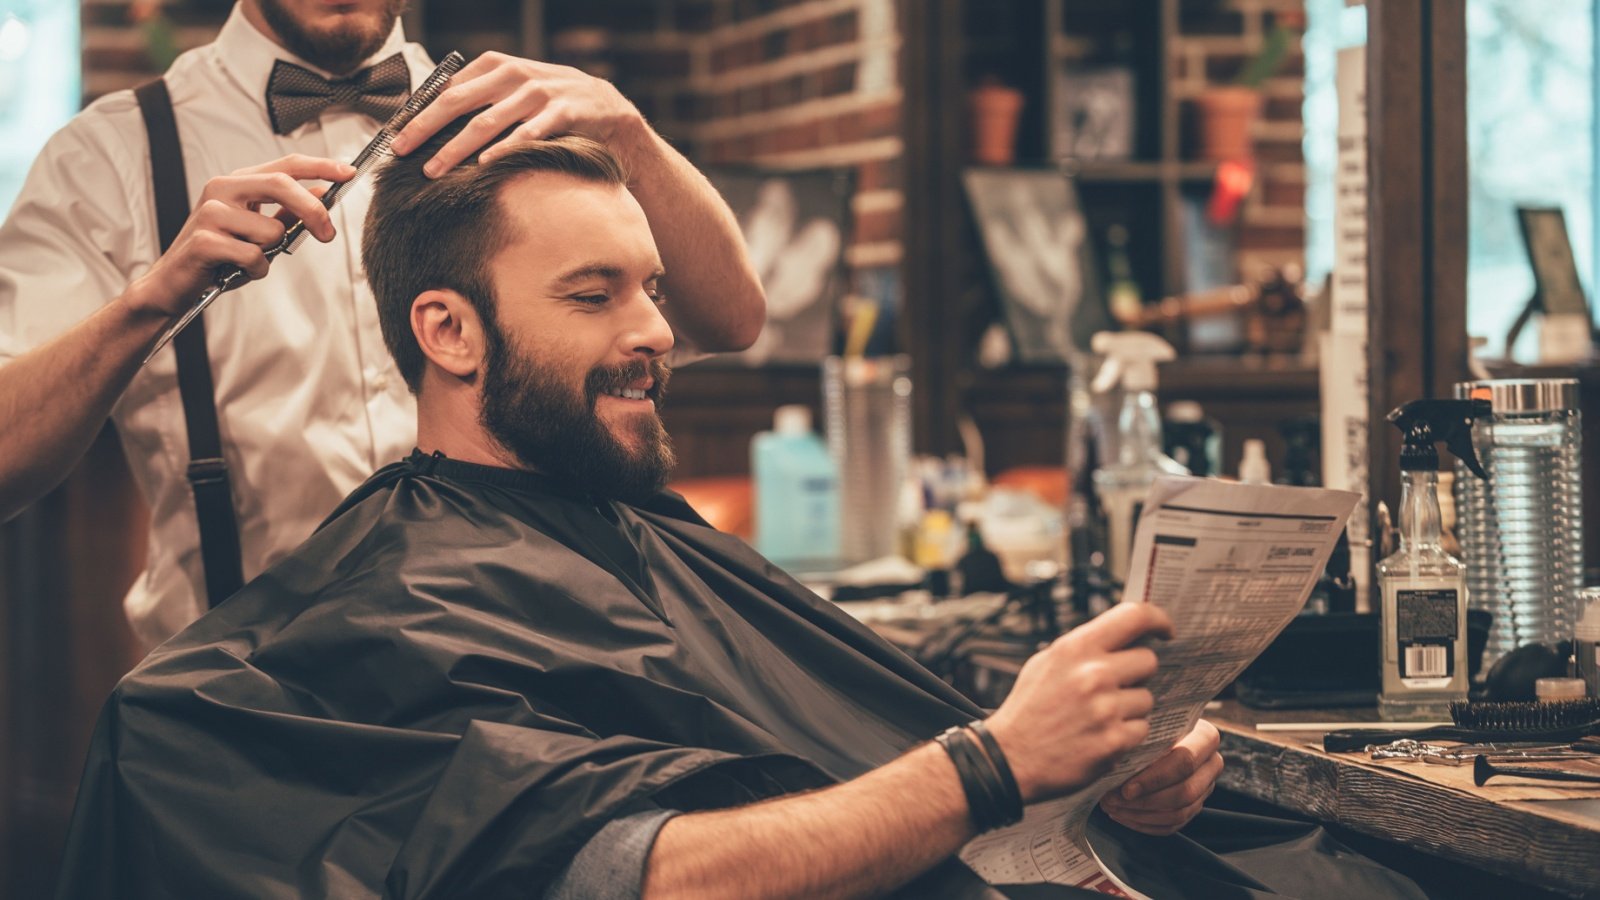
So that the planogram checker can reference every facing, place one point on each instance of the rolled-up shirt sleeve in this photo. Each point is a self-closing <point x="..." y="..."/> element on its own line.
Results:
<point x="611" y="865"/>
<point x="79" y="229"/>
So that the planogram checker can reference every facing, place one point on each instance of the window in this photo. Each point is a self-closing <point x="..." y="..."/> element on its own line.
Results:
<point x="1530" y="142"/>
<point x="39" y="82"/>
<point x="1331" y="26"/>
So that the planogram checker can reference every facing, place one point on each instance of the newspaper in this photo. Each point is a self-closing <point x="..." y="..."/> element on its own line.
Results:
<point x="1232" y="564"/>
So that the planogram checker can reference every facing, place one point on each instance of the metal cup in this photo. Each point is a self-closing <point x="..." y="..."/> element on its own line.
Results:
<point x="867" y="402"/>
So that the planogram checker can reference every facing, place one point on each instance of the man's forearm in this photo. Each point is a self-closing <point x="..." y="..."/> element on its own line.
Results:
<point x="858" y="839"/>
<point x="55" y="398"/>
<point x="714" y="295"/>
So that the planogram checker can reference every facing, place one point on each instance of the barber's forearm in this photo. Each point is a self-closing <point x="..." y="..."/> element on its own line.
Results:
<point x="858" y="839"/>
<point x="55" y="398"/>
<point x="714" y="295"/>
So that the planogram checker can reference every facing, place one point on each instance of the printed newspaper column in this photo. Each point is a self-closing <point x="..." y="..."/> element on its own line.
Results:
<point x="1344" y="347"/>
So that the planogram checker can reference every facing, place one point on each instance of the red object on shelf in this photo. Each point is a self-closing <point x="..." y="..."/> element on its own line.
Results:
<point x="1234" y="179"/>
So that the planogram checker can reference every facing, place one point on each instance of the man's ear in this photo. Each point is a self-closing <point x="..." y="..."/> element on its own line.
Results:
<point x="449" y="331"/>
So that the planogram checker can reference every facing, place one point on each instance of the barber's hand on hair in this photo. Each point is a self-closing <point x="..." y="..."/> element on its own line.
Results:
<point x="1077" y="706"/>
<point x="1170" y="791"/>
<point x="228" y="227"/>
<point x="546" y="99"/>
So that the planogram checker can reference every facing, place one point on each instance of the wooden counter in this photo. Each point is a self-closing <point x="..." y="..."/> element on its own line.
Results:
<point x="1554" y="844"/>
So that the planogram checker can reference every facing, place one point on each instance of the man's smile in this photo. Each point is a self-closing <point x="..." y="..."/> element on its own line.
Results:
<point x="636" y="394"/>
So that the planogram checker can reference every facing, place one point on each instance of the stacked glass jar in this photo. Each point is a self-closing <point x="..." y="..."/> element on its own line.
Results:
<point x="1522" y="529"/>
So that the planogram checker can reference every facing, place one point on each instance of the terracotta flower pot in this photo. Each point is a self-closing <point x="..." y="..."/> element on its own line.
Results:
<point x="1224" y="117"/>
<point x="993" y="112"/>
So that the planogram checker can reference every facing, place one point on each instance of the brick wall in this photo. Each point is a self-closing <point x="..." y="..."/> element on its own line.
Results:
<point x="790" y="84"/>
<point x="1216" y="40"/>
<point x="814" y="83"/>
<point x="124" y="44"/>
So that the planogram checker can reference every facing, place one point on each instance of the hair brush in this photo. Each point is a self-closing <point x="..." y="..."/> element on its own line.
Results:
<point x="376" y="152"/>
<point x="1542" y="720"/>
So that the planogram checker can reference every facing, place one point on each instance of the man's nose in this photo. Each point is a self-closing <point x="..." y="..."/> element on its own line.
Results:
<point x="648" y="332"/>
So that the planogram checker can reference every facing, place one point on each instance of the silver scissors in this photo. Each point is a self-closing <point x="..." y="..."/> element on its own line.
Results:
<point x="1462" y="754"/>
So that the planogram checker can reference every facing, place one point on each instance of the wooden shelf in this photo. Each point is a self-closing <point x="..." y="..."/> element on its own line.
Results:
<point x="1186" y="378"/>
<point x="1138" y="171"/>
<point x="1021" y="411"/>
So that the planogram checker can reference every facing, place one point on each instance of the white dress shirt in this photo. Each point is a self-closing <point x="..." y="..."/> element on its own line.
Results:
<point x="309" y="402"/>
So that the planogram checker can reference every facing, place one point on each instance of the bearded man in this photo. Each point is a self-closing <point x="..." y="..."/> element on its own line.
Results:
<point x="260" y="418"/>
<point x="512" y="666"/>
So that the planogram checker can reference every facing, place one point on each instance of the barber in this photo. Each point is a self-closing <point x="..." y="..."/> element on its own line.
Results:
<point x="305" y="401"/>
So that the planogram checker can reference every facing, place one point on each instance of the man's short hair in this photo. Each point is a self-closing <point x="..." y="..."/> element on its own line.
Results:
<point x="427" y="234"/>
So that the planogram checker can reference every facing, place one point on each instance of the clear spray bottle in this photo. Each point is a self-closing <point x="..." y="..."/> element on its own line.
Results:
<point x="1123" y="481"/>
<point x="1424" y="588"/>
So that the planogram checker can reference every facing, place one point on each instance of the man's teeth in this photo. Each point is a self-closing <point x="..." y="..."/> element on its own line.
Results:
<point x="629" y="393"/>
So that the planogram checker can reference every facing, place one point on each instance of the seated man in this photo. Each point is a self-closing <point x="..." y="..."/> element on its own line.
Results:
<point x="511" y="666"/>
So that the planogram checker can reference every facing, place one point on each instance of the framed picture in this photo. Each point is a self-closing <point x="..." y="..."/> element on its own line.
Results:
<point x="1555" y="271"/>
<point x="1093" y="116"/>
<point x="796" y="225"/>
<point x="1040" y="260"/>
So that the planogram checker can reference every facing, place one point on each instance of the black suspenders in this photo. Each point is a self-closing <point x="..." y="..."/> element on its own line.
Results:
<point x="208" y="472"/>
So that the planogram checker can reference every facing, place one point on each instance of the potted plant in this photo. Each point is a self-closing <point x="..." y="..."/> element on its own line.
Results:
<point x="1226" y="113"/>
<point x="993" y="111"/>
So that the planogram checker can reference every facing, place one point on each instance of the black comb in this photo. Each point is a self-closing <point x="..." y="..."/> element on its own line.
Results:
<point x="377" y="151"/>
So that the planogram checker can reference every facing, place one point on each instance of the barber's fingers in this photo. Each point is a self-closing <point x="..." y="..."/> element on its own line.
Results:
<point x="301" y="167"/>
<point x="1120" y="626"/>
<point x="467" y="91"/>
<point x="243" y="224"/>
<point x="487" y="80"/>
<point x="215" y="248"/>
<point x="252" y="190"/>
<point x="553" y="119"/>
<point x="485" y="127"/>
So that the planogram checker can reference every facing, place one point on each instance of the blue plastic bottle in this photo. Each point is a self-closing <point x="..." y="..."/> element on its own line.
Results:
<point x="797" y="494"/>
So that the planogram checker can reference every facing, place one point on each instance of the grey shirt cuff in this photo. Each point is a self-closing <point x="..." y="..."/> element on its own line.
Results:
<point x="611" y="865"/>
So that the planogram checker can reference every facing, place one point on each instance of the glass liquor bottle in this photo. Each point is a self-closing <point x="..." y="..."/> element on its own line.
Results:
<point x="1424" y="612"/>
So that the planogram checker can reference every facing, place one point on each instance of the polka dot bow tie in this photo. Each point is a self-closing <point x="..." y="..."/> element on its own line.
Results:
<point x="296" y="95"/>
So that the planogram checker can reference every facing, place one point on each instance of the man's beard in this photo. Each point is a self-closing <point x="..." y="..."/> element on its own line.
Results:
<point x="338" y="50"/>
<point x="538" y="417"/>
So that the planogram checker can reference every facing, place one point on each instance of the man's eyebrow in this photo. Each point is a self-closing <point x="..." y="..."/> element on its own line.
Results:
<point x="602" y="271"/>
<point x="592" y="270"/>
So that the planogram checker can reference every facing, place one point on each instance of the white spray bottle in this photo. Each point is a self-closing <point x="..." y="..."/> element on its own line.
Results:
<point x="1131" y="358"/>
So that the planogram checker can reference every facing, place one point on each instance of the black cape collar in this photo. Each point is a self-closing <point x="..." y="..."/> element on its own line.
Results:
<point x="436" y="463"/>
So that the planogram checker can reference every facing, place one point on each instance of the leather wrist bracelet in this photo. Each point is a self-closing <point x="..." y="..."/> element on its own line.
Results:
<point x="1012" y="794"/>
<point x="985" y="795"/>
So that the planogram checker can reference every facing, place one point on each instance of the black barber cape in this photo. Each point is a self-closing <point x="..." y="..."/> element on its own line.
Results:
<point x="461" y="677"/>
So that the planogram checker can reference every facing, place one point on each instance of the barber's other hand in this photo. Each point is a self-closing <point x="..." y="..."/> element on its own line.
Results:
<point x="1077" y="705"/>
<point x="1171" y="790"/>
<point x="228" y="227"/>
<point x="546" y="99"/>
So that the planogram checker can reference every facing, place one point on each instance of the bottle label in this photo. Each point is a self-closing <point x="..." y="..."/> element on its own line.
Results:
<point x="1426" y="627"/>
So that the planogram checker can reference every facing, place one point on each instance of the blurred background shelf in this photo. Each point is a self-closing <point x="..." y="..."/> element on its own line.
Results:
<point x="1021" y="412"/>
